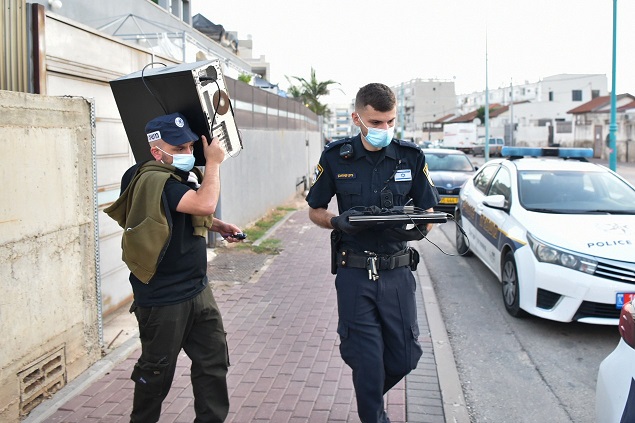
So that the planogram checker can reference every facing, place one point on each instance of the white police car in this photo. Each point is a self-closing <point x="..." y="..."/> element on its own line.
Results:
<point x="558" y="232"/>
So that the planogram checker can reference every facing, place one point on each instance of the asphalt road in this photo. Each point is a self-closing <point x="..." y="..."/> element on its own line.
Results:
<point x="513" y="370"/>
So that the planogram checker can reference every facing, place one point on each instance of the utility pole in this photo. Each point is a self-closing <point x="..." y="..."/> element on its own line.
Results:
<point x="613" y="125"/>
<point x="486" y="146"/>
<point x="511" y="112"/>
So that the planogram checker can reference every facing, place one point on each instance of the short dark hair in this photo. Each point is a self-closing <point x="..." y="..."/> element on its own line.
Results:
<point x="379" y="96"/>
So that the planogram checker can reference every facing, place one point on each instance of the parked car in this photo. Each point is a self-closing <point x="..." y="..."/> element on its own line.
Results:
<point x="436" y="144"/>
<point x="615" y="389"/>
<point x="558" y="233"/>
<point x="495" y="147"/>
<point x="449" y="169"/>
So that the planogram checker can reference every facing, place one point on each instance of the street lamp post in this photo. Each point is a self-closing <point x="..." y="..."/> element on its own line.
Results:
<point x="613" y="124"/>
<point x="486" y="146"/>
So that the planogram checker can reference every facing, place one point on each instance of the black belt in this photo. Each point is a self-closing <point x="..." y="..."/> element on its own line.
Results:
<point x="348" y="258"/>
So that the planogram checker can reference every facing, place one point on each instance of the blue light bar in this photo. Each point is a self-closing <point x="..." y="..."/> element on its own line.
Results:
<point x="508" y="151"/>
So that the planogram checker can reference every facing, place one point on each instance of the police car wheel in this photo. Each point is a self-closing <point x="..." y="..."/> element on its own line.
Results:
<point x="461" y="244"/>
<point x="510" y="286"/>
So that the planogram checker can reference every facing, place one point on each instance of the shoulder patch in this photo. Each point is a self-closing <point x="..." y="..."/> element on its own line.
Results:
<point x="425" y="172"/>
<point x="318" y="172"/>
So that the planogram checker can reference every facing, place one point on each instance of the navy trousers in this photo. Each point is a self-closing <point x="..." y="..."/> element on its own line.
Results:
<point x="196" y="327"/>
<point x="378" y="332"/>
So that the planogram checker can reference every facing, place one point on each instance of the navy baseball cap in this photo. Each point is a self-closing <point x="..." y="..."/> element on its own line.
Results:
<point x="172" y="128"/>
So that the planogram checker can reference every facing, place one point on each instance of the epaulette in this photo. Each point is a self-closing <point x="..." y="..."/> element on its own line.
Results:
<point x="336" y="143"/>
<point x="405" y="143"/>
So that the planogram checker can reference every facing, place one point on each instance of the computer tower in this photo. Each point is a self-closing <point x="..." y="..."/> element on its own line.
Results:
<point x="197" y="90"/>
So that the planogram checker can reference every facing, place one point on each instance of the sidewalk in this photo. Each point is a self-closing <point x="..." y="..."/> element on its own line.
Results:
<point x="284" y="351"/>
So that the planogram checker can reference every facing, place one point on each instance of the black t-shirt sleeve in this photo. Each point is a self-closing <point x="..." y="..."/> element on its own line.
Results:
<point x="174" y="191"/>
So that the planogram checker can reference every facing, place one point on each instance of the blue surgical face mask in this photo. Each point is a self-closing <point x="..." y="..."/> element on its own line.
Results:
<point x="185" y="162"/>
<point x="378" y="138"/>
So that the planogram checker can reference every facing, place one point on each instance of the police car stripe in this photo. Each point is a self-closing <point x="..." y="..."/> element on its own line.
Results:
<point x="492" y="233"/>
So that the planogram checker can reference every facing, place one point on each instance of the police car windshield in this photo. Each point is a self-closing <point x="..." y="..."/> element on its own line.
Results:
<point x="448" y="162"/>
<point x="575" y="192"/>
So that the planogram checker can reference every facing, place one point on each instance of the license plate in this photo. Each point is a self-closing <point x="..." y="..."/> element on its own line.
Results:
<point x="449" y="200"/>
<point x="623" y="298"/>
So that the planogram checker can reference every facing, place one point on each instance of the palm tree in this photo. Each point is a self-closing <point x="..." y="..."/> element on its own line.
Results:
<point x="294" y="91"/>
<point x="309" y="92"/>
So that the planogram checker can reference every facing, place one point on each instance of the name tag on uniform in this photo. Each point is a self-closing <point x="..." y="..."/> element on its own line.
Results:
<point x="403" y="175"/>
<point x="346" y="176"/>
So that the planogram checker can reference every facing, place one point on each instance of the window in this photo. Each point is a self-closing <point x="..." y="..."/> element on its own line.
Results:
<point x="483" y="178"/>
<point x="576" y="95"/>
<point x="501" y="185"/>
<point x="595" y="94"/>
<point x="564" y="127"/>
<point x="550" y="95"/>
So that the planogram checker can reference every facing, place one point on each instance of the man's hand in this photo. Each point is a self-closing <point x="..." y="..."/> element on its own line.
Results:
<point x="341" y="222"/>
<point x="227" y="230"/>
<point x="213" y="151"/>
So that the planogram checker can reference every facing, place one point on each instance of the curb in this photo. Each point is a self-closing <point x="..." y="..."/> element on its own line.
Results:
<point x="272" y="229"/>
<point x="454" y="405"/>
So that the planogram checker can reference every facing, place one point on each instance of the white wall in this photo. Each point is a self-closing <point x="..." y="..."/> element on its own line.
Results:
<point x="265" y="173"/>
<point x="563" y="84"/>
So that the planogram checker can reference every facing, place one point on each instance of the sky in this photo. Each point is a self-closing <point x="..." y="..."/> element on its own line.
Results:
<point x="358" y="42"/>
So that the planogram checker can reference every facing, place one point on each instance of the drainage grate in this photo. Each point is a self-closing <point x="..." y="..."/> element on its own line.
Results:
<point x="41" y="380"/>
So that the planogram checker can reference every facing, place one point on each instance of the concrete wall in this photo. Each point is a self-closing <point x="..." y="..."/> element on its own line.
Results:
<point x="267" y="173"/>
<point x="49" y="307"/>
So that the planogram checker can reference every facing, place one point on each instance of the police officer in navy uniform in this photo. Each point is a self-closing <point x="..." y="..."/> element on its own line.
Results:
<point x="375" y="287"/>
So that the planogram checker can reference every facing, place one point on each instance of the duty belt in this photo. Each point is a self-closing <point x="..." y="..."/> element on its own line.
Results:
<point x="374" y="262"/>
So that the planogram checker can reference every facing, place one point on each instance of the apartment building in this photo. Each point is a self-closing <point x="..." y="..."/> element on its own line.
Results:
<point x="339" y="124"/>
<point x="420" y="101"/>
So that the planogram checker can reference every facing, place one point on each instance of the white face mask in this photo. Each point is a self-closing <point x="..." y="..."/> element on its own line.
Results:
<point x="184" y="162"/>
<point x="378" y="138"/>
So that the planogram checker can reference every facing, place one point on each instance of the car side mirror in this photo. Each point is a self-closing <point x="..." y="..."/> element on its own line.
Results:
<point x="495" y="202"/>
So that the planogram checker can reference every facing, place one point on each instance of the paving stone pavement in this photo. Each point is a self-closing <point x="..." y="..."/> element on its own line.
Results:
<point x="284" y="352"/>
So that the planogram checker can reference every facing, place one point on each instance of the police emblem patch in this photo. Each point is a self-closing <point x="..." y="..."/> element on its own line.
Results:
<point x="318" y="173"/>
<point x="425" y="172"/>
